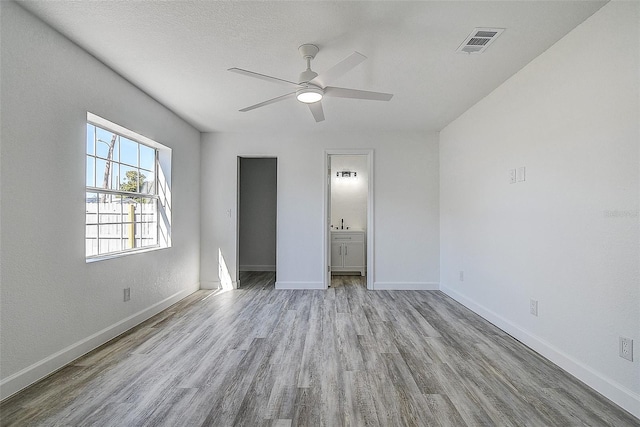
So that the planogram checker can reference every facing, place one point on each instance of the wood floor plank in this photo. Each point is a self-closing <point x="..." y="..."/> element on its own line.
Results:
<point x="311" y="360"/>
<point x="414" y="410"/>
<point x="281" y="401"/>
<point x="257" y="356"/>
<point x="359" y="408"/>
<point x="347" y="343"/>
<point x="443" y="410"/>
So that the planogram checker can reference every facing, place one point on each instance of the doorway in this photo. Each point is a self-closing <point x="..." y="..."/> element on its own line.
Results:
<point x="257" y="221"/>
<point x="349" y="218"/>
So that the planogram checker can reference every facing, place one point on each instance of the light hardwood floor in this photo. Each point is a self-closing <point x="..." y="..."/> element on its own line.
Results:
<point x="342" y="357"/>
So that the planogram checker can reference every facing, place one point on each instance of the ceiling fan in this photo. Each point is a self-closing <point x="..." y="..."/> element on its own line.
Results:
<point x="312" y="87"/>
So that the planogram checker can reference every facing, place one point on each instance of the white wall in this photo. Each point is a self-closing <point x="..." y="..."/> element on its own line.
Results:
<point x="55" y="306"/>
<point x="257" y="226"/>
<point x="568" y="235"/>
<point x="349" y="195"/>
<point x="406" y="204"/>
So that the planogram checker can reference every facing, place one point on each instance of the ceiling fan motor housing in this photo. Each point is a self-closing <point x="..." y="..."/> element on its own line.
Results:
<point x="307" y="75"/>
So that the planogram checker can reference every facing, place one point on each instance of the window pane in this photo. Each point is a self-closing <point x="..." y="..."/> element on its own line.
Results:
<point x="104" y="140"/>
<point x="92" y="209"/>
<point x="128" y="151"/>
<point x="101" y="170"/>
<point x="128" y="210"/>
<point x="110" y="209"/>
<point x="110" y="239"/>
<point x="147" y="157"/>
<point x="91" y="172"/>
<point x="129" y="226"/>
<point x="116" y="150"/>
<point x="91" y="197"/>
<point x="109" y="231"/>
<point x="128" y="235"/>
<point x="90" y="139"/>
<point x="91" y="240"/>
<point x="115" y="176"/>
<point x="148" y="182"/>
<point x="129" y="179"/>
<point x="148" y="209"/>
<point x="148" y="225"/>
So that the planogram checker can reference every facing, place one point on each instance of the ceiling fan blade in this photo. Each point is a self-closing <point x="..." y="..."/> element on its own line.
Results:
<point x="339" y="69"/>
<point x="261" y="76"/>
<point x="271" y="101"/>
<point x="340" y="92"/>
<point x="316" y="110"/>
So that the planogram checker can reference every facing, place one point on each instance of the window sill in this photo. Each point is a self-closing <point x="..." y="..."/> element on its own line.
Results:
<point x="97" y="258"/>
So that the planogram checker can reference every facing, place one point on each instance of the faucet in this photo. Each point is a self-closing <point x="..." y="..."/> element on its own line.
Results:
<point x="342" y="226"/>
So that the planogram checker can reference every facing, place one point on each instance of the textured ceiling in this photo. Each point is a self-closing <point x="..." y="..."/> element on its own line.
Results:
<point x="179" y="53"/>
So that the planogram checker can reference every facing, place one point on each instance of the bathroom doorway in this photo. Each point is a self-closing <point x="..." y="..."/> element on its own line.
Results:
<point x="349" y="234"/>
<point x="257" y="219"/>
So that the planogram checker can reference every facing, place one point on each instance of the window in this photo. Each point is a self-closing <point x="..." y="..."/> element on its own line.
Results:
<point x="127" y="192"/>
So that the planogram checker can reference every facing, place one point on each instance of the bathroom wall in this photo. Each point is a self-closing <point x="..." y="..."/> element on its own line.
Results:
<point x="349" y="195"/>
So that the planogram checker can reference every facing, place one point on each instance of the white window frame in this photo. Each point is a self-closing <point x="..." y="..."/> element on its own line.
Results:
<point x="162" y="194"/>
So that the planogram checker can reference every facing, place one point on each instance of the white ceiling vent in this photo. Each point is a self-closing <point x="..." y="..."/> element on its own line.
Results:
<point x="479" y="40"/>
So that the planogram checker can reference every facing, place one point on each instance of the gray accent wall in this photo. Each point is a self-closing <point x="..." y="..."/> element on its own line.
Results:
<point x="257" y="214"/>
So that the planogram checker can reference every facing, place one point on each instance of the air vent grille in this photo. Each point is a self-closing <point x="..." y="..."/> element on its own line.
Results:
<point x="486" y="34"/>
<point x="479" y="40"/>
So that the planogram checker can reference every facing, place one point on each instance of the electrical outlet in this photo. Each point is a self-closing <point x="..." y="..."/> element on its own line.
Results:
<point x="533" y="307"/>
<point x="626" y="348"/>
<point x="512" y="176"/>
<point x="127" y="294"/>
<point x="461" y="275"/>
<point x="520" y="174"/>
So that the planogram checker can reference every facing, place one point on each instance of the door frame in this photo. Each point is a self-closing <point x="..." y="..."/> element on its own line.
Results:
<point x="239" y="158"/>
<point x="326" y="220"/>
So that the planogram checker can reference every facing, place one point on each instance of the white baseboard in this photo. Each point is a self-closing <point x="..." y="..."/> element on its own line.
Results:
<point x="29" y="375"/>
<point x="406" y="286"/>
<point x="209" y="285"/>
<point x="299" y="285"/>
<point x="619" y="394"/>
<point x="257" y="268"/>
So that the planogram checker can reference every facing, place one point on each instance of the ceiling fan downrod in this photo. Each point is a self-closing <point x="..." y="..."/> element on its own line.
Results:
<point x="308" y="52"/>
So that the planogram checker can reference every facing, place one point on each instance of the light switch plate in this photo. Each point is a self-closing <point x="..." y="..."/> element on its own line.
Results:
<point x="533" y="307"/>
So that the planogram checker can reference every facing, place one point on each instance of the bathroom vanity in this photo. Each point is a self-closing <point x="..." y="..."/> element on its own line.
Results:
<point x="348" y="251"/>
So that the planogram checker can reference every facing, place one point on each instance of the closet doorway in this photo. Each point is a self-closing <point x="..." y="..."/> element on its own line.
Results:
<point x="349" y="218"/>
<point x="257" y="220"/>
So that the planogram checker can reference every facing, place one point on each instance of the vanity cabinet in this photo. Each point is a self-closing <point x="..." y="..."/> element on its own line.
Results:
<point x="348" y="251"/>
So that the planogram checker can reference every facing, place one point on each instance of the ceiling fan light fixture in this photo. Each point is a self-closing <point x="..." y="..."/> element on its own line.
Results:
<point x="311" y="87"/>
<point x="309" y="95"/>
